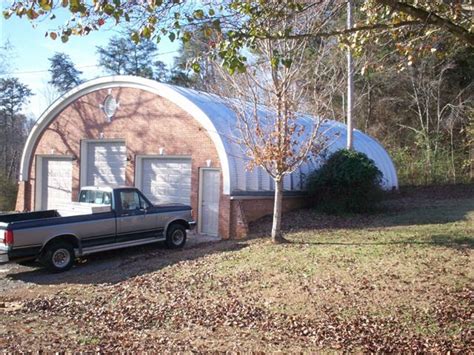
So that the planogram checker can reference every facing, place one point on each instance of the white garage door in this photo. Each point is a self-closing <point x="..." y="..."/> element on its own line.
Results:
<point x="166" y="180"/>
<point x="56" y="182"/>
<point x="106" y="162"/>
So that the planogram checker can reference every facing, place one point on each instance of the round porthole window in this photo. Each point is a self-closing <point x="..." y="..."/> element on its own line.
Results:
<point x="110" y="106"/>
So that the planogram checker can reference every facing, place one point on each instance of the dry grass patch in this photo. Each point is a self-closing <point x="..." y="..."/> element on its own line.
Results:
<point x="369" y="283"/>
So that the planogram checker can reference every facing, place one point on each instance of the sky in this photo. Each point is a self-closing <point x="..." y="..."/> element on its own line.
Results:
<point x="31" y="50"/>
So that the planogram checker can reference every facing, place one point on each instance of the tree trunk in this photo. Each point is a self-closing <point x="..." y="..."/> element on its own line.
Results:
<point x="277" y="236"/>
<point x="471" y="154"/>
<point x="6" y="142"/>
<point x="453" y="163"/>
<point x="368" y="118"/>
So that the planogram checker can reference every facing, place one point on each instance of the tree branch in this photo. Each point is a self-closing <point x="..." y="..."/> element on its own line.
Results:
<point x="431" y="18"/>
<point x="377" y="26"/>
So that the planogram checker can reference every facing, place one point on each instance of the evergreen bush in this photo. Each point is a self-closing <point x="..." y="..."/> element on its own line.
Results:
<point x="347" y="182"/>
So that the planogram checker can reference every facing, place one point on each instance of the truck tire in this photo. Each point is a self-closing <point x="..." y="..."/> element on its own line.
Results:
<point x="175" y="236"/>
<point x="58" y="257"/>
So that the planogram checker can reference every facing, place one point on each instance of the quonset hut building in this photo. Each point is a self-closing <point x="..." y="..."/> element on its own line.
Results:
<point x="171" y="142"/>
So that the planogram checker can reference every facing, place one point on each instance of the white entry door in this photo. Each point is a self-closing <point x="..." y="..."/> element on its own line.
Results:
<point x="165" y="180"/>
<point x="55" y="182"/>
<point x="209" y="201"/>
<point x="105" y="164"/>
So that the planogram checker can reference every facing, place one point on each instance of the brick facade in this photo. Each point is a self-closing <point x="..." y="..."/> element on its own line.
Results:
<point x="146" y="122"/>
<point x="249" y="209"/>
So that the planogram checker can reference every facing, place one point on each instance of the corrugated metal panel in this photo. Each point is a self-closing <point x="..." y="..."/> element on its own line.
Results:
<point x="296" y="179"/>
<point x="272" y="184"/>
<point x="304" y="174"/>
<point x="287" y="183"/>
<point x="251" y="177"/>
<point x="265" y="180"/>
<point x="225" y="120"/>
<point x="390" y="175"/>
<point x="240" y="174"/>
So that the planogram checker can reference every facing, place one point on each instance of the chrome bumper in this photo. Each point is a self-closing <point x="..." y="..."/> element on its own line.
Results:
<point x="192" y="225"/>
<point x="4" y="254"/>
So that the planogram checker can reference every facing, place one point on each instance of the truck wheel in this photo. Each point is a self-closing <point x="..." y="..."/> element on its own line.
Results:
<point x="176" y="236"/>
<point x="58" y="257"/>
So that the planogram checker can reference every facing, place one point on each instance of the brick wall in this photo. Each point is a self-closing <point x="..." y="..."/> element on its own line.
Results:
<point x="145" y="121"/>
<point x="249" y="209"/>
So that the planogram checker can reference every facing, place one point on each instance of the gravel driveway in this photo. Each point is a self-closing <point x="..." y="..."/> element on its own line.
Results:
<point x="107" y="267"/>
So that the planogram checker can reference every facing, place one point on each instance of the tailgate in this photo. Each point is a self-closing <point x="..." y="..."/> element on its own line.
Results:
<point x="3" y="247"/>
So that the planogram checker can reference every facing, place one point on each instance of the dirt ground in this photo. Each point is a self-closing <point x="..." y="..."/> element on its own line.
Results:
<point x="107" y="267"/>
<point x="400" y="280"/>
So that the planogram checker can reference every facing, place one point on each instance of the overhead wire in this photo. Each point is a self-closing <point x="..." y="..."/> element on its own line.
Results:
<point x="27" y="72"/>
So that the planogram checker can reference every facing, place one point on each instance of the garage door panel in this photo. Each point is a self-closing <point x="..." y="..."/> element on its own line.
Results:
<point x="166" y="180"/>
<point x="56" y="182"/>
<point x="106" y="163"/>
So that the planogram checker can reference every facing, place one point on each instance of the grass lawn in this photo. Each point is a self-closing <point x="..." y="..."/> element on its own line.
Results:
<point x="400" y="280"/>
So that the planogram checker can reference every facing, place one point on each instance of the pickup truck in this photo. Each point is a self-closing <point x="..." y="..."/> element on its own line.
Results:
<point x="103" y="219"/>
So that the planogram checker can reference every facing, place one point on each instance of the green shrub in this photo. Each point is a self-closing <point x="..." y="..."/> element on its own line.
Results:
<point x="347" y="182"/>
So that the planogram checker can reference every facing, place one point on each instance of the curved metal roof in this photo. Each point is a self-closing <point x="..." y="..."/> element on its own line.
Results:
<point x="220" y="122"/>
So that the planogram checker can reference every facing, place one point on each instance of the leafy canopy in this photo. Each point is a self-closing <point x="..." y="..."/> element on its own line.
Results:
<point x="414" y="25"/>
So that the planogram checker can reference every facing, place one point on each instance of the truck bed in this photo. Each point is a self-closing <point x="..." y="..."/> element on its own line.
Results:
<point x="28" y="216"/>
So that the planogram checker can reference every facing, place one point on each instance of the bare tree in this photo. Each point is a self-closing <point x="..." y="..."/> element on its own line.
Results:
<point x="267" y="99"/>
<point x="5" y="57"/>
<point x="457" y="114"/>
<point x="470" y="141"/>
<point x="48" y="92"/>
<point x="436" y="111"/>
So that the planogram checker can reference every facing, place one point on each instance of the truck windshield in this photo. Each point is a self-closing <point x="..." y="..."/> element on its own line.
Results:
<point x="96" y="197"/>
